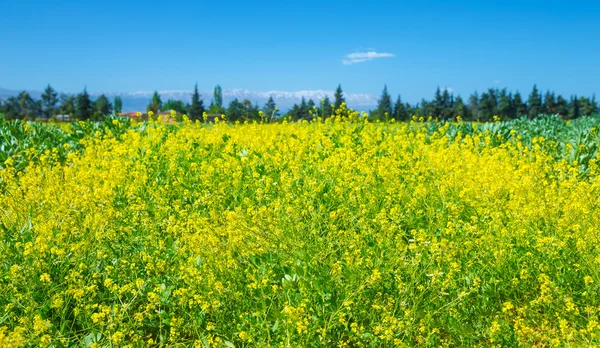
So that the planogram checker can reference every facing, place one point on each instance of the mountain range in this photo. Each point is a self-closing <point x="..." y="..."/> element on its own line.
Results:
<point x="138" y="101"/>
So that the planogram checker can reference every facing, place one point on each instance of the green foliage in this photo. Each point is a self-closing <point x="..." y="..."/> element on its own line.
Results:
<point x="49" y="101"/>
<point x="384" y="106"/>
<point x="338" y="97"/>
<point x="156" y="104"/>
<point x="102" y="108"/>
<point x="118" y="105"/>
<point x="271" y="110"/>
<point x="83" y="107"/>
<point x="196" y="109"/>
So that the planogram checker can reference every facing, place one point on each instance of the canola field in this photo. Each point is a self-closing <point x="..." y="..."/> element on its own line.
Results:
<point x="333" y="233"/>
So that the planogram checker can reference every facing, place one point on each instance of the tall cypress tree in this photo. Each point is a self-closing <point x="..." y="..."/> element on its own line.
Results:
<point x="196" y="109"/>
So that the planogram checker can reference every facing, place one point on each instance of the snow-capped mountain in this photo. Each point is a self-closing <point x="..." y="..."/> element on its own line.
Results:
<point x="138" y="101"/>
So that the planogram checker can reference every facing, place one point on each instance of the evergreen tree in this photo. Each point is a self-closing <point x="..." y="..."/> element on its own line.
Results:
<point x="176" y="105"/>
<point x="384" y="106"/>
<point x="235" y="111"/>
<point x="535" y="103"/>
<point x="460" y="109"/>
<point x="587" y="106"/>
<point x="447" y="102"/>
<point x="400" y="112"/>
<point x="549" y="106"/>
<point x="504" y="105"/>
<point x="156" y="104"/>
<point x="326" y="107"/>
<point x="12" y="109"/>
<point x="437" y="106"/>
<point x="519" y="107"/>
<point x="303" y="112"/>
<point x="83" y="108"/>
<point x="218" y="98"/>
<point x="196" y="109"/>
<point x="474" y="114"/>
<point x="487" y="106"/>
<point x="574" y="109"/>
<point x="67" y="105"/>
<point x="49" y="101"/>
<point x="339" y="97"/>
<point x="270" y="109"/>
<point x="310" y="109"/>
<point x="102" y="108"/>
<point x="562" y="107"/>
<point x="410" y="112"/>
<point x="118" y="105"/>
<point x="26" y="107"/>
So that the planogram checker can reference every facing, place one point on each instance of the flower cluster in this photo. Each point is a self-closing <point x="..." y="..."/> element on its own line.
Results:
<point x="335" y="232"/>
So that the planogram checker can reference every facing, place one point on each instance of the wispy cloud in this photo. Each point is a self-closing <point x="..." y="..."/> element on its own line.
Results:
<point x="359" y="57"/>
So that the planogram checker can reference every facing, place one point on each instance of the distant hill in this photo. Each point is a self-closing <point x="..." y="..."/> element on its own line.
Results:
<point x="137" y="101"/>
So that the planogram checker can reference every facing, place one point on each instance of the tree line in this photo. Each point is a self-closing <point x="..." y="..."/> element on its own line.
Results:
<point x="444" y="106"/>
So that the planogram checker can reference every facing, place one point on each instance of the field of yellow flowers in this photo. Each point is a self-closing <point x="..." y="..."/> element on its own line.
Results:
<point x="335" y="232"/>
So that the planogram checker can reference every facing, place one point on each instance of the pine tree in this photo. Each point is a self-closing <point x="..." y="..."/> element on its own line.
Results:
<point x="460" y="109"/>
<point x="504" y="104"/>
<point x="400" y="112"/>
<point x="49" y="101"/>
<point x="325" y="107"/>
<point x="574" y="109"/>
<point x="549" y="106"/>
<point x="474" y="114"/>
<point x="339" y="97"/>
<point x="384" y="105"/>
<point x="587" y="106"/>
<point x="28" y="108"/>
<point x="67" y="105"/>
<point x="102" y="108"/>
<point x="437" y="106"/>
<point x="83" y="108"/>
<point x="235" y="110"/>
<point x="562" y="107"/>
<point x="218" y="97"/>
<point x="519" y="107"/>
<point x="447" y="102"/>
<point x="118" y="105"/>
<point x="270" y="109"/>
<point x="196" y="110"/>
<point x="535" y="103"/>
<point x="310" y="109"/>
<point x="156" y="104"/>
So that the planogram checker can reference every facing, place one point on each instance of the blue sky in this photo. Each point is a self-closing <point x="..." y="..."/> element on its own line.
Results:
<point x="301" y="45"/>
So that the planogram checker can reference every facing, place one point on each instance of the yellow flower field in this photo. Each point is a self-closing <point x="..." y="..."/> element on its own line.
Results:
<point x="336" y="233"/>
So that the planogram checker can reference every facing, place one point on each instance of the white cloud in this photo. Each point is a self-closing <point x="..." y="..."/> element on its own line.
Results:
<point x="359" y="57"/>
